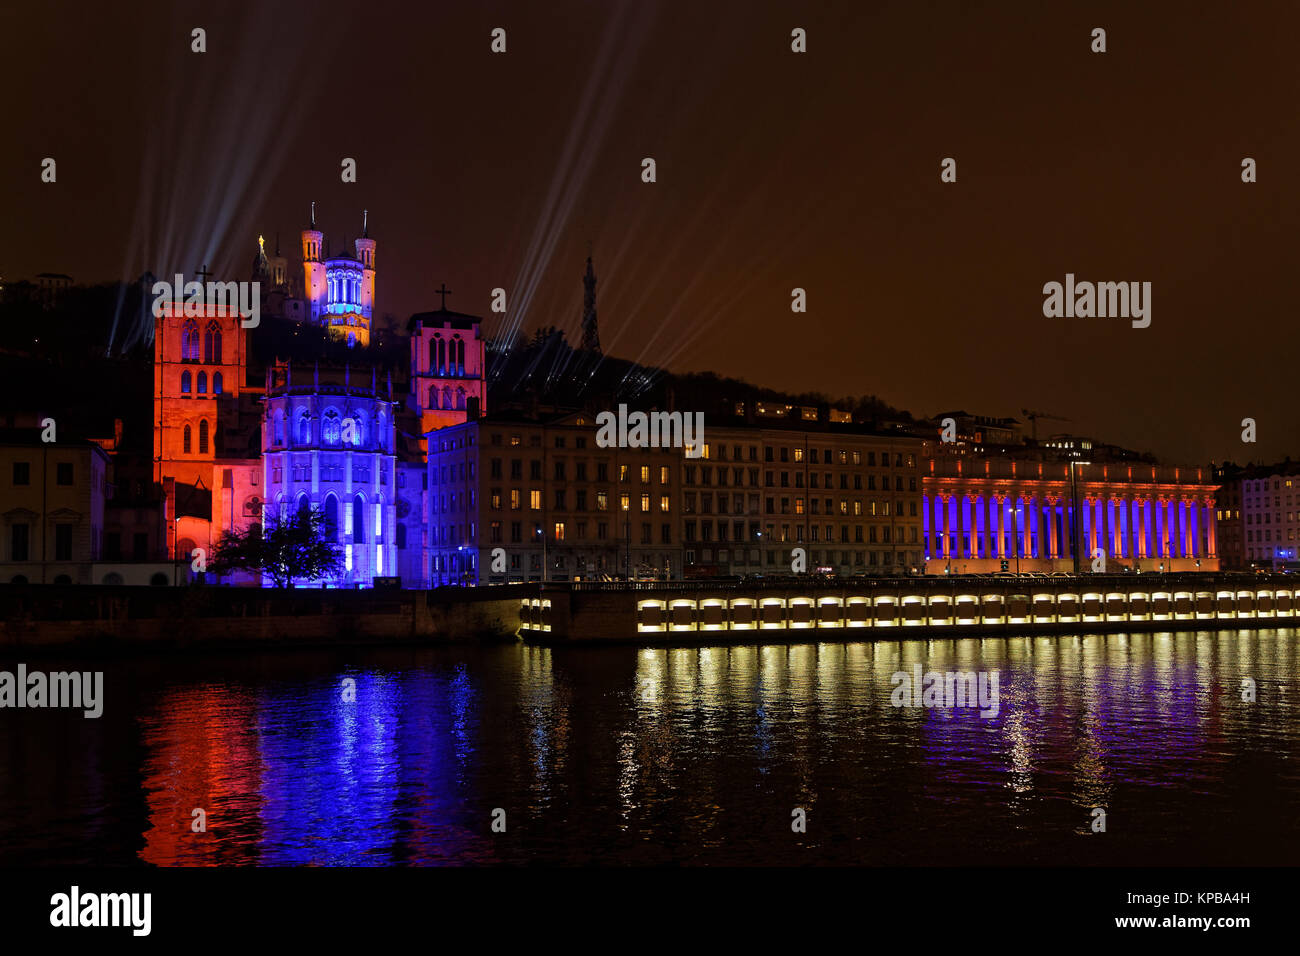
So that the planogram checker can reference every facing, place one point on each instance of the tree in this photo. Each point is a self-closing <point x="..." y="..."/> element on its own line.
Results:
<point x="291" y="548"/>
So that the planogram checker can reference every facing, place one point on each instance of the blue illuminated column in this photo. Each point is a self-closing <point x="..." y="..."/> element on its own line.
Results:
<point x="1086" y="536"/>
<point x="938" y="526"/>
<point x="1184" y="527"/>
<point x="967" y="527"/>
<point x="1158" y="521"/>
<point x="1053" y="541"/>
<point x="1033" y="543"/>
<point x="986" y="506"/>
<point x="1007" y="527"/>
<point x="1194" y="513"/>
<point x="1147" y="550"/>
<point x="926" y="537"/>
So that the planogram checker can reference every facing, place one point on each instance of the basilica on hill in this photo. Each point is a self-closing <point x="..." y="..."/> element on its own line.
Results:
<point x="237" y="440"/>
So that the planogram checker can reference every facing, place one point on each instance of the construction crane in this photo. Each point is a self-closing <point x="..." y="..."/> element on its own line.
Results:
<point x="1035" y="416"/>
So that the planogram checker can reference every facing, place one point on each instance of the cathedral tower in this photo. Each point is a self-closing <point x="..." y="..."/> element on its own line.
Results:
<point x="313" y="269"/>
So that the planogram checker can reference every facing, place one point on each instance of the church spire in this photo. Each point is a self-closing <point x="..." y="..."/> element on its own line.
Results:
<point x="590" y="335"/>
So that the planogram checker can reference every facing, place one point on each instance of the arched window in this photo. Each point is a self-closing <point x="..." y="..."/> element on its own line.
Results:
<point x="190" y="341"/>
<point x="304" y="428"/>
<point x="185" y="382"/>
<point x="359" y="429"/>
<point x="212" y="344"/>
<point x="446" y="396"/>
<point x="433" y="396"/>
<point x="442" y="357"/>
<point x="381" y="432"/>
<point x="460" y="357"/>
<point x="331" y="518"/>
<point x="202" y="383"/>
<point x="278" y="432"/>
<point x="329" y="427"/>
<point x="203" y="437"/>
<point x="433" y="353"/>
<point x="460" y="398"/>
<point x="216" y="383"/>
<point x="304" y="505"/>
<point x="359" y="519"/>
<point x="185" y="441"/>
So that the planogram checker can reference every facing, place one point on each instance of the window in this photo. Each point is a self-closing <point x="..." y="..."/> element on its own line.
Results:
<point x="202" y="383"/>
<point x="216" y="383"/>
<point x="22" y="473"/>
<point x="19" y="537"/>
<point x="359" y="519"/>
<point x="185" y="382"/>
<point x="535" y="500"/>
<point x="330" y="428"/>
<point x="212" y="344"/>
<point x="331" y="518"/>
<point x="203" y="437"/>
<point x="63" y="472"/>
<point x="185" y="440"/>
<point x="190" y="341"/>
<point x="63" y="542"/>
<point x="304" y="428"/>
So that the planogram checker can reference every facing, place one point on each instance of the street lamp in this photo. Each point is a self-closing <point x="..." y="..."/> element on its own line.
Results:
<point x="542" y="533"/>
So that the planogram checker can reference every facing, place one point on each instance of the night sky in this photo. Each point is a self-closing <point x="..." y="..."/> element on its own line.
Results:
<point x="775" y="170"/>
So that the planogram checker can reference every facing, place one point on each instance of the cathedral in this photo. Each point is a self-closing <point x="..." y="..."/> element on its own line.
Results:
<point x="236" y="444"/>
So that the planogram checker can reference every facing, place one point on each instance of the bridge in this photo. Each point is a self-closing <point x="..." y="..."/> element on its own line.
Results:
<point x="884" y="608"/>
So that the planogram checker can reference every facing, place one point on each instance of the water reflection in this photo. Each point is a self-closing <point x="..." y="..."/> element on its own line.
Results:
<point x="676" y="754"/>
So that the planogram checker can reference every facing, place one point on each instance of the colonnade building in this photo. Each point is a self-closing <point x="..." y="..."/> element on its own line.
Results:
<point x="990" y="515"/>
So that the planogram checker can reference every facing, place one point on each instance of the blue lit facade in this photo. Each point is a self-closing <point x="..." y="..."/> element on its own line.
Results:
<point x="329" y="445"/>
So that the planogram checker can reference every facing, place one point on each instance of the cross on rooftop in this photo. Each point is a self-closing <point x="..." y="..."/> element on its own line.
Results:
<point x="444" y="292"/>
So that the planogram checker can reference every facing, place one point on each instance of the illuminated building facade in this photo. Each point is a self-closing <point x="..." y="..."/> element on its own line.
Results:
<point x="448" y="362"/>
<point x="1259" y="516"/>
<point x="339" y="289"/>
<point x="850" y="499"/>
<point x="553" y="501"/>
<point x="205" y="423"/>
<point x="52" y="522"/>
<point x="986" y="515"/>
<point x="328" y="445"/>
